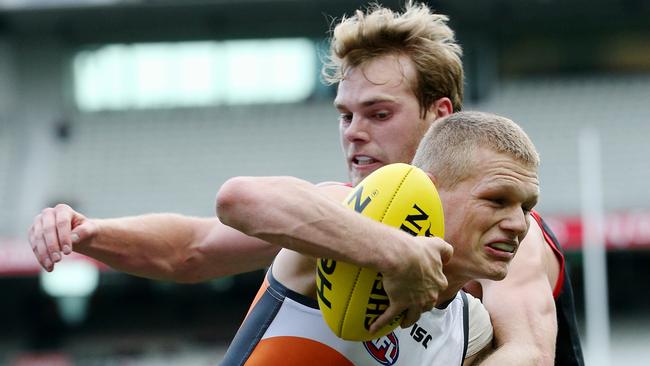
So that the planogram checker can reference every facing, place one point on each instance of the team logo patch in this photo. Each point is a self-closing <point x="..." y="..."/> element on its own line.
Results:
<point x="385" y="349"/>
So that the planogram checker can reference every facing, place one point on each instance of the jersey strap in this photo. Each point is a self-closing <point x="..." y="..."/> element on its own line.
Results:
<point x="552" y="242"/>
<point x="465" y="322"/>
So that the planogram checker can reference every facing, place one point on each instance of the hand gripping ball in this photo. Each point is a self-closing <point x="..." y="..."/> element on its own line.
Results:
<point x="351" y="297"/>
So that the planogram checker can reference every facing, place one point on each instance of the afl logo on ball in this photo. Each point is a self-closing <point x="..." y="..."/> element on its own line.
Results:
<point x="385" y="349"/>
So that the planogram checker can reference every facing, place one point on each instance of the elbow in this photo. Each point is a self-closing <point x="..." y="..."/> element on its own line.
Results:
<point x="235" y="202"/>
<point x="228" y="200"/>
<point x="226" y="197"/>
<point x="193" y="266"/>
<point x="186" y="273"/>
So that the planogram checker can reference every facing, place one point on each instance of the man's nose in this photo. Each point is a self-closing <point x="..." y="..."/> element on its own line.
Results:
<point x="517" y="221"/>
<point x="357" y="130"/>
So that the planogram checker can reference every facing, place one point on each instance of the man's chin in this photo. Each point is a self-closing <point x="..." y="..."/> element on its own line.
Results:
<point x="355" y="177"/>
<point x="499" y="274"/>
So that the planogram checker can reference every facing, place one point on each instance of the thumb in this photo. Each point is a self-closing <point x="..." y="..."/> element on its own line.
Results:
<point x="74" y="237"/>
<point x="81" y="233"/>
<point x="390" y="315"/>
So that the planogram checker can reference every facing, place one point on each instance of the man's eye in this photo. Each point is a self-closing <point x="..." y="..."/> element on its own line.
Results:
<point x="345" y="117"/>
<point x="498" y="202"/>
<point x="382" y="115"/>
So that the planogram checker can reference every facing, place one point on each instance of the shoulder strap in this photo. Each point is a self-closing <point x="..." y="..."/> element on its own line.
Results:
<point x="552" y="241"/>
<point x="465" y="324"/>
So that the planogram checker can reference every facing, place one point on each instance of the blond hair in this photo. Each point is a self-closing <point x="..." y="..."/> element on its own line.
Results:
<point x="422" y="36"/>
<point x="447" y="149"/>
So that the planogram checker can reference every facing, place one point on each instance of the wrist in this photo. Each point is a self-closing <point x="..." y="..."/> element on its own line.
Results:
<point x="388" y="249"/>
<point x="86" y="234"/>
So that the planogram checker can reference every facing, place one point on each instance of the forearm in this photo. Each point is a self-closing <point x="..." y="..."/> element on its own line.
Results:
<point x="525" y="327"/>
<point x="155" y="246"/>
<point x="296" y="215"/>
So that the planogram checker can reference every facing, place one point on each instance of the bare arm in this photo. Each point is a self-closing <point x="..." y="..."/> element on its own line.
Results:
<point x="298" y="216"/>
<point x="522" y="308"/>
<point x="478" y="357"/>
<point x="158" y="246"/>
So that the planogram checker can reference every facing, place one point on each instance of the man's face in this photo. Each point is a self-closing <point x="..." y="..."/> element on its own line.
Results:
<point x="380" y="120"/>
<point x="487" y="215"/>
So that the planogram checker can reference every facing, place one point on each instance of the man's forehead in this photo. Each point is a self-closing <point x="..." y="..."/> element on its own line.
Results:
<point x="523" y="181"/>
<point x="379" y="70"/>
<point x="373" y="84"/>
<point x="494" y="169"/>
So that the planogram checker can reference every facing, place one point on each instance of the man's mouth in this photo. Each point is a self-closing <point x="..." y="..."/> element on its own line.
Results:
<point x="362" y="160"/>
<point x="503" y="247"/>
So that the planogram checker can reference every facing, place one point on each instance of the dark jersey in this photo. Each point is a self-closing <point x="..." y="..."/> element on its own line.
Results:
<point x="568" y="351"/>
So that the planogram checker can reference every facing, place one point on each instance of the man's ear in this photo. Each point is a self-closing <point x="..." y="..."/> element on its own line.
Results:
<point x="441" y="108"/>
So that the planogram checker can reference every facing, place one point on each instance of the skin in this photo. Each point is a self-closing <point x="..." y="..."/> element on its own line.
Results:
<point x="521" y="306"/>
<point x="187" y="249"/>
<point x="165" y="247"/>
<point x="256" y="207"/>
<point x="520" y="303"/>
<point x="380" y="121"/>
<point x="497" y="202"/>
<point x="492" y="206"/>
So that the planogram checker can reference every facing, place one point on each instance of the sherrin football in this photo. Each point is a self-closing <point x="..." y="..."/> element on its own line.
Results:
<point x="351" y="297"/>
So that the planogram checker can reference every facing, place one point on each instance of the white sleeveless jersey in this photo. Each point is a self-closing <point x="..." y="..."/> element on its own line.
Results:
<point x="286" y="328"/>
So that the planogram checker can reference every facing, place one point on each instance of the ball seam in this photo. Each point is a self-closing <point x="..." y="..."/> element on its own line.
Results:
<point x="356" y="280"/>
<point x="399" y="186"/>
<point x="349" y="299"/>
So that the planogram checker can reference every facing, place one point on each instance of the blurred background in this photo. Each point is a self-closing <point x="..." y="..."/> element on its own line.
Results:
<point x="126" y="107"/>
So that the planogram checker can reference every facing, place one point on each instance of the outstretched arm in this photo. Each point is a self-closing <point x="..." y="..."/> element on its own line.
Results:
<point x="301" y="217"/>
<point x="158" y="246"/>
<point x="521" y="306"/>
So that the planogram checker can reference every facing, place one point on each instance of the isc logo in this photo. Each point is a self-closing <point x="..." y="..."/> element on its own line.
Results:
<point x="420" y="335"/>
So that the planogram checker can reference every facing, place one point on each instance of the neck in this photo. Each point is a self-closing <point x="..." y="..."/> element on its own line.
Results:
<point x="455" y="284"/>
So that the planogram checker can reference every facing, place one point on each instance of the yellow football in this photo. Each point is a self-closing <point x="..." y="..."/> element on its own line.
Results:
<point x="351" y="297"/>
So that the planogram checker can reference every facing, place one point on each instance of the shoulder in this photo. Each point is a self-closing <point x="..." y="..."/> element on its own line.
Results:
<point x="336" y="190"/>
<point x="480" y="331"/>
<point x="537" y="255"/>
<point x="333" y="183"/>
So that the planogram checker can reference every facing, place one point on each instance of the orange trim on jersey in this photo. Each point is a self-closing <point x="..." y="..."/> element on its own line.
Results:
<point x="293" y="351"/>
<point x="556" y="251"/>
<point x="258" y="296"/>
